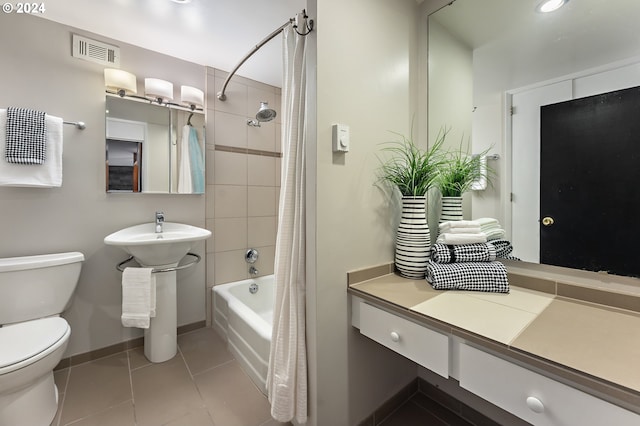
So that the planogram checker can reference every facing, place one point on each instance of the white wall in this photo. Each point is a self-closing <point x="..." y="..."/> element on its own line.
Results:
<point x="366" y="78"/>
<point x="38" y="72"/>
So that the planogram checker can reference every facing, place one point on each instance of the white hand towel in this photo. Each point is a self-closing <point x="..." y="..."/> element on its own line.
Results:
<point x="447" y="238"/>
<point x="138" y="297"/>
<point x="46" y="175"/>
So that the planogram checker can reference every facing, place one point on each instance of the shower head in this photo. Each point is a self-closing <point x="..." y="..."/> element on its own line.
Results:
<point x="265" y="113"/>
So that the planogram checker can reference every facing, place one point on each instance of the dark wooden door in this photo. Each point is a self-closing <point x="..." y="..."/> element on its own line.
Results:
<point x="590" y="183"/>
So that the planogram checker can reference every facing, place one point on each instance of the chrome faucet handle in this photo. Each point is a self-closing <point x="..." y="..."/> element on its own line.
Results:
<point x="253" y="270"/>
<point x="159" y="221"/>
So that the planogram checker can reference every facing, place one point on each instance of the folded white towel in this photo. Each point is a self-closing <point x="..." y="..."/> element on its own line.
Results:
<point x="138" y="297"/>
<point x="469" y="230"/>
<point x="447" y="238"/>
<point x="494" y="234"/>
<point x="485" y="221"/>
<point x="45" y="175"/>
<point x="458" y="224"/>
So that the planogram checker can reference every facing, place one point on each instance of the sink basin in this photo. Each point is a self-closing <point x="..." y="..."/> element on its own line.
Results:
<point x="156" y="249"/>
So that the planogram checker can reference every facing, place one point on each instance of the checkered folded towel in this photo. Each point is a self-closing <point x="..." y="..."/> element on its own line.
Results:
<point x="26" y="136"/>
<point x="449" y="253"/>
<point x="475" y="276"/>
<point x="503" y="248"/>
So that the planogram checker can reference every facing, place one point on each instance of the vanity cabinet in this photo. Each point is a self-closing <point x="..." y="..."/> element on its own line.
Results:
<point x="422" y="345"/>
<point x="533" y="397"/>
<point x="518" y="390"/>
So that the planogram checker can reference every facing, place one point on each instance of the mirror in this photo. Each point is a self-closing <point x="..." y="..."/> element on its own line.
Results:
<point x="483" y="55"/>
<point x="145" y="150"/>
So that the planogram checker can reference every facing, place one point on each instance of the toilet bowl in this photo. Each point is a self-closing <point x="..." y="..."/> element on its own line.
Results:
<point x="33" y="337"/>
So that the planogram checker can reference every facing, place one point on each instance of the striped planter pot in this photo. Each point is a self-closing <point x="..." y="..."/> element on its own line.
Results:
<point x="413" y="240"/>
<point x="451" y="209"/>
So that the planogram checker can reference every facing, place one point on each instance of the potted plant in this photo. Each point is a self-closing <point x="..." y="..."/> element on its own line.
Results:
<point x="458" y="173"/>
<point x="413" y="172"/>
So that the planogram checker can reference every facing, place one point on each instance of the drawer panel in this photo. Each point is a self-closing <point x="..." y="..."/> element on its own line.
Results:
<point x="420" y="344"/>
<point x="533" y="397"/>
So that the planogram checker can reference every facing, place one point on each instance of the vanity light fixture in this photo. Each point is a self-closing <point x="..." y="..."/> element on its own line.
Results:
<point x="550" y="5"/>
<point x="160" y="90"/>
<point x="192" y="97"/>
<point x="120" y="82"/>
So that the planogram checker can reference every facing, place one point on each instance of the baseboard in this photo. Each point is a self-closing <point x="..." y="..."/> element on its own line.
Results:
<point x="118" y="347"/>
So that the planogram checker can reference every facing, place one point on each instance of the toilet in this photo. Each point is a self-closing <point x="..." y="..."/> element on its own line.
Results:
<point x="34" y="291"/>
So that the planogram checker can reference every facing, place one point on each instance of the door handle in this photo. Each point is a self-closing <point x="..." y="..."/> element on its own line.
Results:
<point x="547" y="221"/>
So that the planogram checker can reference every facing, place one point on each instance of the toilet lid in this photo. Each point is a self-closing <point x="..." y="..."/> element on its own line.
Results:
<point x="27" y="339"/>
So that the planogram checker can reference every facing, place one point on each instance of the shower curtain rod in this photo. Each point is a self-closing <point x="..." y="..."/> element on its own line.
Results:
<point x="308" y="23"/>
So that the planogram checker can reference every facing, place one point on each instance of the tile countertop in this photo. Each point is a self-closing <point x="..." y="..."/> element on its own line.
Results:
<point x="594" y="347"/>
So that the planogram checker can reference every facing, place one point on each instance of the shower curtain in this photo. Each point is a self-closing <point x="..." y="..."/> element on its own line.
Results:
<point x="287" y="374"/>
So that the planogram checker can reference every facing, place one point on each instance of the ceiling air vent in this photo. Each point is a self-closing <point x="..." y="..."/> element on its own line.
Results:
<point x="95" y="51"/>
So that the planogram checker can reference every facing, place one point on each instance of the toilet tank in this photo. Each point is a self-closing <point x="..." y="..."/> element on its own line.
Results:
<point x="33" y="287"/>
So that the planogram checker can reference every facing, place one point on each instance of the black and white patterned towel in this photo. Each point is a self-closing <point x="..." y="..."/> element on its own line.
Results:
<point x="503" y="248"/>
<point x="26" y="136"/>
<point x="450" y="253"/>
<point x="475" y="276"/>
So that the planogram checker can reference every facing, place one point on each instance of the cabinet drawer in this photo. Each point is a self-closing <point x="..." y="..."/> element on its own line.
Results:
<point x="420" y="344"/>
<point x="533" y="397"/>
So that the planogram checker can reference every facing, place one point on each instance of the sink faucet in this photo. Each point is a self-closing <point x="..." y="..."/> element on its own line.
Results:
<point x="159" y="221"/>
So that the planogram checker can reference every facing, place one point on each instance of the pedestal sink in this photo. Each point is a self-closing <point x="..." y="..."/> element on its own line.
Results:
<point x="161" y="251"/>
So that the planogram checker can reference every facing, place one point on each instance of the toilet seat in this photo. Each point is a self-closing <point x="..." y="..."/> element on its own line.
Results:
<point x="27" y="342"/>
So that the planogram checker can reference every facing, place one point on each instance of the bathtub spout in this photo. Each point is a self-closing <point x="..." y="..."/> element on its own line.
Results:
<point x="253" y="271"/>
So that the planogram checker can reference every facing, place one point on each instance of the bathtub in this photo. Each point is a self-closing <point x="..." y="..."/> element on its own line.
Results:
<point x="244" y="320"/>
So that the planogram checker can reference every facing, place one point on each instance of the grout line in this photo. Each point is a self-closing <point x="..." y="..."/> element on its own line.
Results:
<point x="215" y="366"/>
<point x="133" y="401"/>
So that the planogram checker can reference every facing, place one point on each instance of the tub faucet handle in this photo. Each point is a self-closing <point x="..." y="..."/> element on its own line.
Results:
<point x="253" y="270"/>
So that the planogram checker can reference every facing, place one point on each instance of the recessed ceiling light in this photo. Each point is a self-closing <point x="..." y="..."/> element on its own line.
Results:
<point x="181" y="1"/>
<point x="550" y="5"/>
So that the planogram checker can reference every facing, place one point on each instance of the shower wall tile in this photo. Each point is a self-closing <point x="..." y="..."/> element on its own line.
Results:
<point x="278" y="142"/>
<point x="262" y="231"/>
<point x="210" y="243"/>
<point x="265" y="262"/>
<point x="230" y="201"/>
<point x="262" y="201"/>
<point x="230" y="129"/>
<point x="209" y="200"/>
<point x="231" y="234"/>
<point x="262" y="93"/>
<point x="262" y="170"/>
<point x="230" y="168"/>
<point x="242" y="188"/>
<point x="231" y="266"/>
<point x="278" y="172"/>
<point x="236" y="102"/>
<point x="209" y="165"/>
<point x="263" y="137"/>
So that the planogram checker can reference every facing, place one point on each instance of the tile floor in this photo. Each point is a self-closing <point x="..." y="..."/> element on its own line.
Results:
<point x="203" y="385"/>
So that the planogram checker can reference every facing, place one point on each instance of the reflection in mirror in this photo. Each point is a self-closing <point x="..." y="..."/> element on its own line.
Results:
<point x="153" y="148"/>
<point x="487" y="57"/>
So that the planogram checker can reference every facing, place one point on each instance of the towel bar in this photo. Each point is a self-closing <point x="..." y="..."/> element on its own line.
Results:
<point x="120" y="267"/>
<point x="79" y="124"/>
